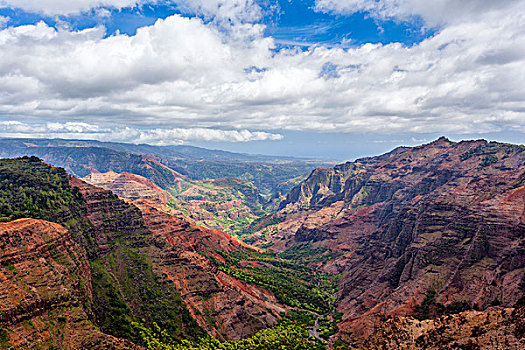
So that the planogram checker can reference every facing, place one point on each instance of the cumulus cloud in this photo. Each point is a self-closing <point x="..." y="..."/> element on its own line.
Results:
<point x="181" y="74"/>
<point x="180" y="135"/>
<point x="174" y="136"/>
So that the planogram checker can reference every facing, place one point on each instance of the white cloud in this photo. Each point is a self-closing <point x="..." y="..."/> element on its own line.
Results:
<point x="435" y="12"/>
<point x="183" y="74"/>
<point x="180" y="135"/>
<point x="3" y="21"/>
<point x="236" y="11"/>
<point x="66" y="7"/>
<point x="71" y="127"/>
<point x="174" y="136"/>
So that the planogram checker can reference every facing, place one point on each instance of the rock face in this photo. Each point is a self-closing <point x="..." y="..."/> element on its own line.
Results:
<point x="227" y="204"/>
<point x="222" y="305"/>
<point x="45" y="293"/>
<point x="111" y="267"/>
<point x="177" y="251"/>
<point x="498" y="329"/>
<point x="127" y="185"/>
<point x="444" y="216"/>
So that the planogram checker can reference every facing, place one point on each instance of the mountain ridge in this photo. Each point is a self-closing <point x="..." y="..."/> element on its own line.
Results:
<point x="257" y="181"/>
<point x="397" y="222"/>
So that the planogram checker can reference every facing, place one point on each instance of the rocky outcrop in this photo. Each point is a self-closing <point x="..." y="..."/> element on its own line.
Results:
<point x="111" y="219"/>
<point x="179" y="252"/>
<point x="127" y="185"/>
<point x="497" y="328"/>
<point x="224" y="306"/>
<point x="45" y="293"/>
<point x="444" y="216"/>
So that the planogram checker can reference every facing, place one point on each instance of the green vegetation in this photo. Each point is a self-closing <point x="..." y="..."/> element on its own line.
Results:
<point x="124" y="277"/>
<point x="229" y="204"/>
<point x="29" y="188"/>
<point x="305" y="318"/>
<point x="328" y="325"/>
<point x="178" y="206"/>
<point x="488" y="161"/>
<point x="288" y="334"/>
<point x="4" y="340"/>
<point x="32" y="189"/>
<point x="430" y="308"/>
<point x="116" y="315"/>
<point x="340" y="345"/>
<point x="267" y="223"/>
<point x="488" y="153"/>
<point x="293" y="284"/>
<point x="303" y="253"/>
<point x="243" y="190"/>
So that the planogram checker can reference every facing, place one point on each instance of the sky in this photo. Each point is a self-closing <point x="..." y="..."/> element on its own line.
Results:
<point x="334" y="79"/>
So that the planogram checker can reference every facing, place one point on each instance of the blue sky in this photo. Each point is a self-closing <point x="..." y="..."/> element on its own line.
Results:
<point x="325" y="78"/>
<point x="291" y="23"/>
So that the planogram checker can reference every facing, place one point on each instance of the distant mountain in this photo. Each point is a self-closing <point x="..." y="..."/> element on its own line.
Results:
<point x="221" y="190"/>
<point x="176" y="151"/>
<point x="80" y="157"/>
<point x="81" y="161"/>
<point x="224" y="204"/>
<point x="428" y="230"/>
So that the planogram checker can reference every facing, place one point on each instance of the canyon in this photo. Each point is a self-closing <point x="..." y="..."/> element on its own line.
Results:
<point x="445" y="217"/>
<point x="116" y="267"/>
<point x="421" y="247"/>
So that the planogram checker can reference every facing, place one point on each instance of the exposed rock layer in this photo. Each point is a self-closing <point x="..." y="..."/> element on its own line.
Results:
<point x="444" y="216"/>
<point x="111" y="268"/>
<point x="177" y="249"/>
<point x="45" y="289"/>
<point x="224" y="306"/>
<point x="497" y="329"/>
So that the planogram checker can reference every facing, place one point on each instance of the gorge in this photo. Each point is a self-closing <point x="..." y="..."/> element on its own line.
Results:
<point x="419" y="248"/>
